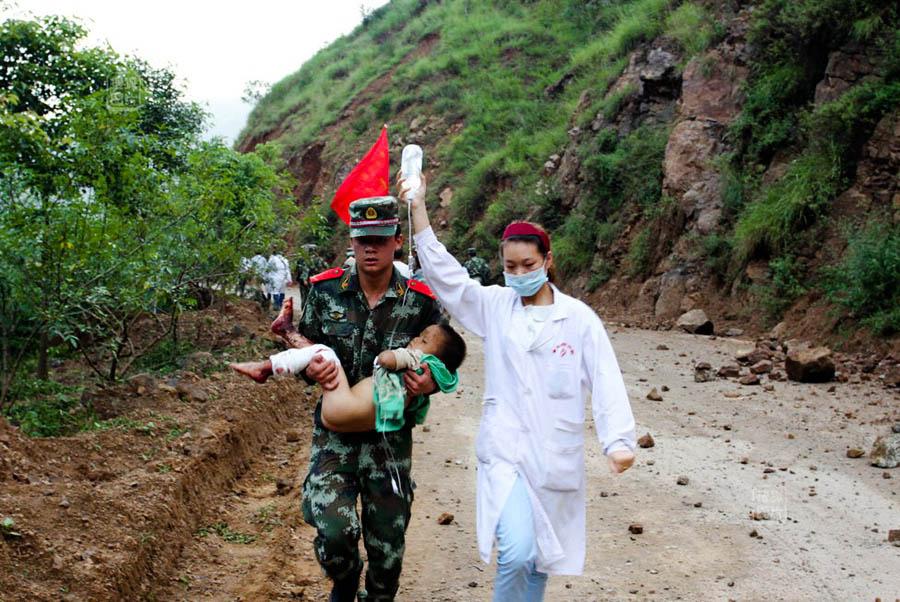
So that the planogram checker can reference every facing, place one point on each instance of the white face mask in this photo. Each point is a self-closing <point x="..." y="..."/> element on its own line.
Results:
<point x="526" y="284"/>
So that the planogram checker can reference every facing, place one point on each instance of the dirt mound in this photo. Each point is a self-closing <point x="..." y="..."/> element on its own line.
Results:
<point x="103" y="515"/>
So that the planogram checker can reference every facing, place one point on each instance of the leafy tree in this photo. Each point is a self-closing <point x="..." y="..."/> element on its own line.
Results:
<point x="112" y="208"/>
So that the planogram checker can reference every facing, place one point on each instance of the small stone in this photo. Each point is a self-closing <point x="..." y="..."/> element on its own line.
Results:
<point x="654" y="395"/>
<point x="682" y="480"/>
<point x="445" y="519"/>
<point x="749" y="379"/>
<point x="473" y="584"/>
<point x="729" y="371"/>
<point x="635" y="528"/>
<point x="64" y="503"/>
<point x="662" y="348"/>
<point x="855" y="453"/>
<point x="894" y="535"/>
<point x="646" y="441"/>
<point x="292" y="435"/>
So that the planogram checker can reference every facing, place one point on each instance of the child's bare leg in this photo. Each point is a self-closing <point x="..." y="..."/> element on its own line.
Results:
<point x="283" y="326"/>
<point x="347" y="409"/>
<point x="258" y="371"/>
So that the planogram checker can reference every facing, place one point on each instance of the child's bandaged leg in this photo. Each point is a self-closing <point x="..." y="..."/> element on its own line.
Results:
<point x="293" y="361"/>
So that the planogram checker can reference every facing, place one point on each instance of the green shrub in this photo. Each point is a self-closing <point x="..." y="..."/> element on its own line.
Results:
<point x="693" y="27"/>
<point x="165" y="356"/>
<point x="639" y="254"/>
<point x="715" y="249"/>
<point x="601" y="272"/>
<point x="48" y="409"/>
<point x="867" y="281"/>
<point x="770" y="224"/>
<point x="784" y="286"/>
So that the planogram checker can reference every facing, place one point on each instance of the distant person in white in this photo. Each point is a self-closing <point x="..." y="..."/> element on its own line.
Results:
<point x="278" y="276"/>
<point x="544" y="350"/>
<point x="400" y="264"/>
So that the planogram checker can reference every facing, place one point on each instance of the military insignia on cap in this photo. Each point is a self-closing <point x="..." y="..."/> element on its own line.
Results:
<point x="371" y="213"/>
<point x="336" y="315"/>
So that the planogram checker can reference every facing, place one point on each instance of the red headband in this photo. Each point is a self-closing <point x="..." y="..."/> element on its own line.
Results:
<point x="526" y="229"/>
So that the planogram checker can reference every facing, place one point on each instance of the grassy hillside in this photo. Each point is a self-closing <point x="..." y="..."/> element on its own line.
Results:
<point x="509" y="84"/>
<point x="488" y="71"/>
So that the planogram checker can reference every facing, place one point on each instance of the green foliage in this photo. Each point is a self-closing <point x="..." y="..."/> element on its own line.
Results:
<point x="639" y="254"/>
<point x="601" y="272"/>
<point x="769" y="224"/>
<point x="692" y="27"/>
<point x="715" y="250"/>
<point x="866" y="281"/>
<point x="8" y="528"/>
<point x="112" y="205"/>
<point x="784" y="286"/>
<point x="48" y="409"/>
<point x="222" y="530"/>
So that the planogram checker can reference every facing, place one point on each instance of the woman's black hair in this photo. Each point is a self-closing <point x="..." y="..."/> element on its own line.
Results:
<point x="453" y="350"/>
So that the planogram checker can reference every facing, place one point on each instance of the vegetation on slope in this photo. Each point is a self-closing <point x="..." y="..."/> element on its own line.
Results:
<point x="516" y="76"/>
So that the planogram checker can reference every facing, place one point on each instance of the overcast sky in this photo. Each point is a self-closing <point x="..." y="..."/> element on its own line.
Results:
<point x="216" y="48"/>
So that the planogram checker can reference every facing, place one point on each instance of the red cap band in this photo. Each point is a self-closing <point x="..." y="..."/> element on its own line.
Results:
<point x="526" y="229"/>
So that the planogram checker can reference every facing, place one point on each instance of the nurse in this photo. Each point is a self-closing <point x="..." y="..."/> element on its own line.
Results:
<point x="544" y="351"/>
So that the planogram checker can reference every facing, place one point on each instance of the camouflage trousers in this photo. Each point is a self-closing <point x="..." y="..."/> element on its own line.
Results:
<point x="347" y="466"/>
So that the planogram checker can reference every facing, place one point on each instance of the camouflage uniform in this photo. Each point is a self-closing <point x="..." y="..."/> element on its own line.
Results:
<point x="478" y="269"/>
<point x="344" y="466"/>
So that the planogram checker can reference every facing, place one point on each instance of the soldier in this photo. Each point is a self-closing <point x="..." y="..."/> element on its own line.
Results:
<point x="477" y="267"/>
<point x="308" y="264"/>
<point x="359" y="312"/>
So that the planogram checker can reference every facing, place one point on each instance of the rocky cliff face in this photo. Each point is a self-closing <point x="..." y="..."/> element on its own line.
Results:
<point x="698" y="103"/>
<point x="695" y="100"/>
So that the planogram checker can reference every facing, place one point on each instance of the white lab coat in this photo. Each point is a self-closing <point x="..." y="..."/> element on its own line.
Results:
<point x="278" y="274"/>
<point x="532" y="422"/>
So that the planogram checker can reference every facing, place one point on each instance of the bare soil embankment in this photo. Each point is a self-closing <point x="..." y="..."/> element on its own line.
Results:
<point x="206" y="507"/>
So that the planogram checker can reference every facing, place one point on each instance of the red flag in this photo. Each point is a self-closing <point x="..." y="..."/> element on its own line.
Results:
<point x="368" y="178"/>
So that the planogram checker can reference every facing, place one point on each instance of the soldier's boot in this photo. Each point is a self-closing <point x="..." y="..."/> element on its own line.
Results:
<point x="345" y="589"/>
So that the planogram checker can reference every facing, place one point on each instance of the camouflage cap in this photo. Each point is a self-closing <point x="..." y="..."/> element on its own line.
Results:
<point x="471" y="251"/>
<point x="374" y="216"/>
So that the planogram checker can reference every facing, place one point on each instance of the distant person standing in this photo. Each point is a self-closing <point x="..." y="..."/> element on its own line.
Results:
<point x="350" y="261"/>
<point x="400" y="264"/>
<point x="477" y="267"/>
<point x="278" y="276"/>
<point x="259" y="267"/>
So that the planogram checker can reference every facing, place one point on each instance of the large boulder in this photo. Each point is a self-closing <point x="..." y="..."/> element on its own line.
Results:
<point x="815" y="365"/>
<point x="886" y="451"/>
<point x="695" y="322"/>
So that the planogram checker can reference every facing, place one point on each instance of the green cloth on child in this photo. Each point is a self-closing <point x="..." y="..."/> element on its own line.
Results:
<point x="390" y="395"/>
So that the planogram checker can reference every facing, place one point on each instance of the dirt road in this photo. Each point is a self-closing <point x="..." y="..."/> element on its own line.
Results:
<point x="777" y="455"/>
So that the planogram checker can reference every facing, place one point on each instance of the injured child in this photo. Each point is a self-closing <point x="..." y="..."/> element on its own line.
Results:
<point x="378" y="400"/>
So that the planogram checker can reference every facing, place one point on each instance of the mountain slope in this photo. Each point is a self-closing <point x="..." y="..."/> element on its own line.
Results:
<point x="736" y="156"/>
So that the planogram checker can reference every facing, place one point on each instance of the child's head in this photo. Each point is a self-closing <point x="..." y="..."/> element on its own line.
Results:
<point x="441" y="341"/>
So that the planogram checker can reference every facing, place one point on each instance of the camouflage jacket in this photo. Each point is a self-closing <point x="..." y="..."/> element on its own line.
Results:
<point x="477" y="268"/>
<point x="338" y="315"/>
